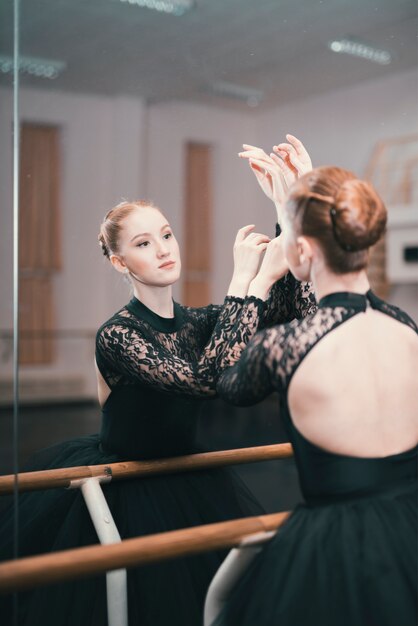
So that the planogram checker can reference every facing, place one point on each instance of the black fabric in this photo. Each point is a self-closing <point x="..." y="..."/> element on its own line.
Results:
<point x="348" y="554"/>
<point x="158" y="370"/>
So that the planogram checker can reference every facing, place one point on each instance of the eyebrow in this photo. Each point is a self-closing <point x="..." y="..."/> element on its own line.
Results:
<point x="149" y="234"/>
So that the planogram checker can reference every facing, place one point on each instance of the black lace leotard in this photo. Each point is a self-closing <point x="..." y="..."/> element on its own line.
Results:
<point x="347" y="556"/>
<point x="159" y="370"/>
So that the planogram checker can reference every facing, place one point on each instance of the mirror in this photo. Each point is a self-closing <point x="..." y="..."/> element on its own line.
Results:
<point x="116" y="100"/>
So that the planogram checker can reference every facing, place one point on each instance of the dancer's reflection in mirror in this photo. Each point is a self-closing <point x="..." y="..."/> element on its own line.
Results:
<point x="156" y="360"/>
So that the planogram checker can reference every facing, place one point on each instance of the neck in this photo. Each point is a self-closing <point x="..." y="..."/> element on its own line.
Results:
<point x="158" y="299"/>
<point x="326" y="282"/>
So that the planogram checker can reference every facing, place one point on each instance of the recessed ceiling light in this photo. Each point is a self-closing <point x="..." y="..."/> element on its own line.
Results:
<point x="175" y="7"/>
<point x="41" y="68"/>
<point x="359" y="49"/>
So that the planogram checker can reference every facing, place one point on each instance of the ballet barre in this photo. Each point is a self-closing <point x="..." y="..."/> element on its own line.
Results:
<point x="51" y="479"/>
<point x="55" y="567"/>
<point x="89" y="479"/>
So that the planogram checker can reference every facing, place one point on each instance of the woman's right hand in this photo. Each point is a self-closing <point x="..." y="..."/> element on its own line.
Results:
<point x="248" y="250"/>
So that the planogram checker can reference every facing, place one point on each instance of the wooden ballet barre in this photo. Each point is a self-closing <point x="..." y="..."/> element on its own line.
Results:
<point x="50" y="479"/>
<point x="55" y="567"/>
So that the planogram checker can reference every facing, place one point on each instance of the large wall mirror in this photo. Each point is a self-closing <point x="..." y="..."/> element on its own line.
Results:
<point x="129" y="99"/>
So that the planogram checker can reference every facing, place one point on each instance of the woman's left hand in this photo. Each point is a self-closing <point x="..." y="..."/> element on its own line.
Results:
<point x="276" y="172"/>
<point x="273" y="267"/>
<point x="248" y="250"/>
<point x="295" y="158"/>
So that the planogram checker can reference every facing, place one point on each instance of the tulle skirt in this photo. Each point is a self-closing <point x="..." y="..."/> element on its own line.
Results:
<point x="345" y="564"/>
<point x="167" y="593"/>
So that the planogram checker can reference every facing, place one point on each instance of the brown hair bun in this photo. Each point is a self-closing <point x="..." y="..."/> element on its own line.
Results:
<point x="358" y="216"/>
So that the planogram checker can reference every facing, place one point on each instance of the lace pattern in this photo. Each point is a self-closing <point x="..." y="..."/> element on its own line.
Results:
<point x="269" y="361"/>
<point x="129" y="350"/>
<point x="289" y="299"/>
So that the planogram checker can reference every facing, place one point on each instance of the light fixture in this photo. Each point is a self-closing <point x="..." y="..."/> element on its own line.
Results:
<point x="362" y="50"/>
<point x="251" y="96"/>
<point x="175" y="7"/>
<point x="41" y="68"/>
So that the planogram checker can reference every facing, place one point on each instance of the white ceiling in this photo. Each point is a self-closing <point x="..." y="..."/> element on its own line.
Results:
<point x="277" y="46"/>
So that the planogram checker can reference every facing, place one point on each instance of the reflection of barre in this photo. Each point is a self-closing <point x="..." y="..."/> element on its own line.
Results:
<point x="50" y="479"/>
<point x="230" y="572"/>
<point x="54" y="567"/>
<point x="116" y="581"/>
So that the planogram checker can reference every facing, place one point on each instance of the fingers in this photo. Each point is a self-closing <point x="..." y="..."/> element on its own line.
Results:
<point x="257" y="238"/>
<point x="297" y="144"/>
<point x="257" y="169"/>
<point x="243" y="232"/>
<point x="252" y="152"/>
<point x="246" y="237"/>
<point x="287" y="149"/>
<point x="284" y="155"/>
<point x="295" y="154"/>
<point x="292" y="160"/>
<point x="269" y="167"/>
<point x="287" y="172"/>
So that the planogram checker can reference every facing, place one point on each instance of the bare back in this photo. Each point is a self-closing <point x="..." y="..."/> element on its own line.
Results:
<point x="355" y="392"/>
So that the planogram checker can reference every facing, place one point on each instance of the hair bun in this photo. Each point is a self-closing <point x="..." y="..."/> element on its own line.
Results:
<point x="103" y="246"/>
<point x="358" y="215"/>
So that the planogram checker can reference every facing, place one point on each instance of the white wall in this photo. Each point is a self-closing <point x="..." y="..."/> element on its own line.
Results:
<point x="342" y="127"/>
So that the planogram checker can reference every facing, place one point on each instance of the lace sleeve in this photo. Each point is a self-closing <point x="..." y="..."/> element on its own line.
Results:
<point x="138" y="356"/>
<point x="250" y="379"/>
<point x="289" y="299"/>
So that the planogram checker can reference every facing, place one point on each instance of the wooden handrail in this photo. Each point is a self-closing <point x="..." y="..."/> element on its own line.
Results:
<point x="81" y="562"/>
<point x="49" y="479"/>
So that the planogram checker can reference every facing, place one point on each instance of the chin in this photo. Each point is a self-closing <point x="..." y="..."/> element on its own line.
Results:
<point x="170" y="280"/>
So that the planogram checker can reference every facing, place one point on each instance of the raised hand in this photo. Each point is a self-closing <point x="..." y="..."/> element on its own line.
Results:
<point x="294" y="158"/>
<point x="266" y="171"/>
<point x="276" y="172"/>
<point x="273" y="267"/>
<point x="248" y="250"/>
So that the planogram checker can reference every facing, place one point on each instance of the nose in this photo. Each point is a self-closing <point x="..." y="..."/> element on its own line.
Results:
<point x="162" y="249"/>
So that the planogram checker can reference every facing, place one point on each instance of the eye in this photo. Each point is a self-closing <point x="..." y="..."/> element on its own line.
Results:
<point x="168" y="235"/>
<point x="143" y="244"/>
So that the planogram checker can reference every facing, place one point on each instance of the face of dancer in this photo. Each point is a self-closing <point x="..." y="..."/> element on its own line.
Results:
<point x="148" y="250"/>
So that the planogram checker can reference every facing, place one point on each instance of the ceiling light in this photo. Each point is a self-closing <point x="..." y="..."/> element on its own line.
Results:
<point x="358" y="49"/>
<point x="41" y="68"/>
<point x="252" y="97"/>
<point x="175" y="7"/>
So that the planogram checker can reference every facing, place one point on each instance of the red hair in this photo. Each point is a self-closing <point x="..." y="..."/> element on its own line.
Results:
<point x="344" y="214"/>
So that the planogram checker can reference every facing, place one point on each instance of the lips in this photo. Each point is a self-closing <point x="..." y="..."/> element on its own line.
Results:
<point x="167" y="265"/>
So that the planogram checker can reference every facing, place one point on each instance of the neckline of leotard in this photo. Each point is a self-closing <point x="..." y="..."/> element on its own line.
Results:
<point x="162" y="324"/>
<point x="347" y="299"/>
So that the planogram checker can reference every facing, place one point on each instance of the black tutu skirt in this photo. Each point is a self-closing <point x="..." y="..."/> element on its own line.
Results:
<point x="346" y="564"/>
<point x="167" y="593"/>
